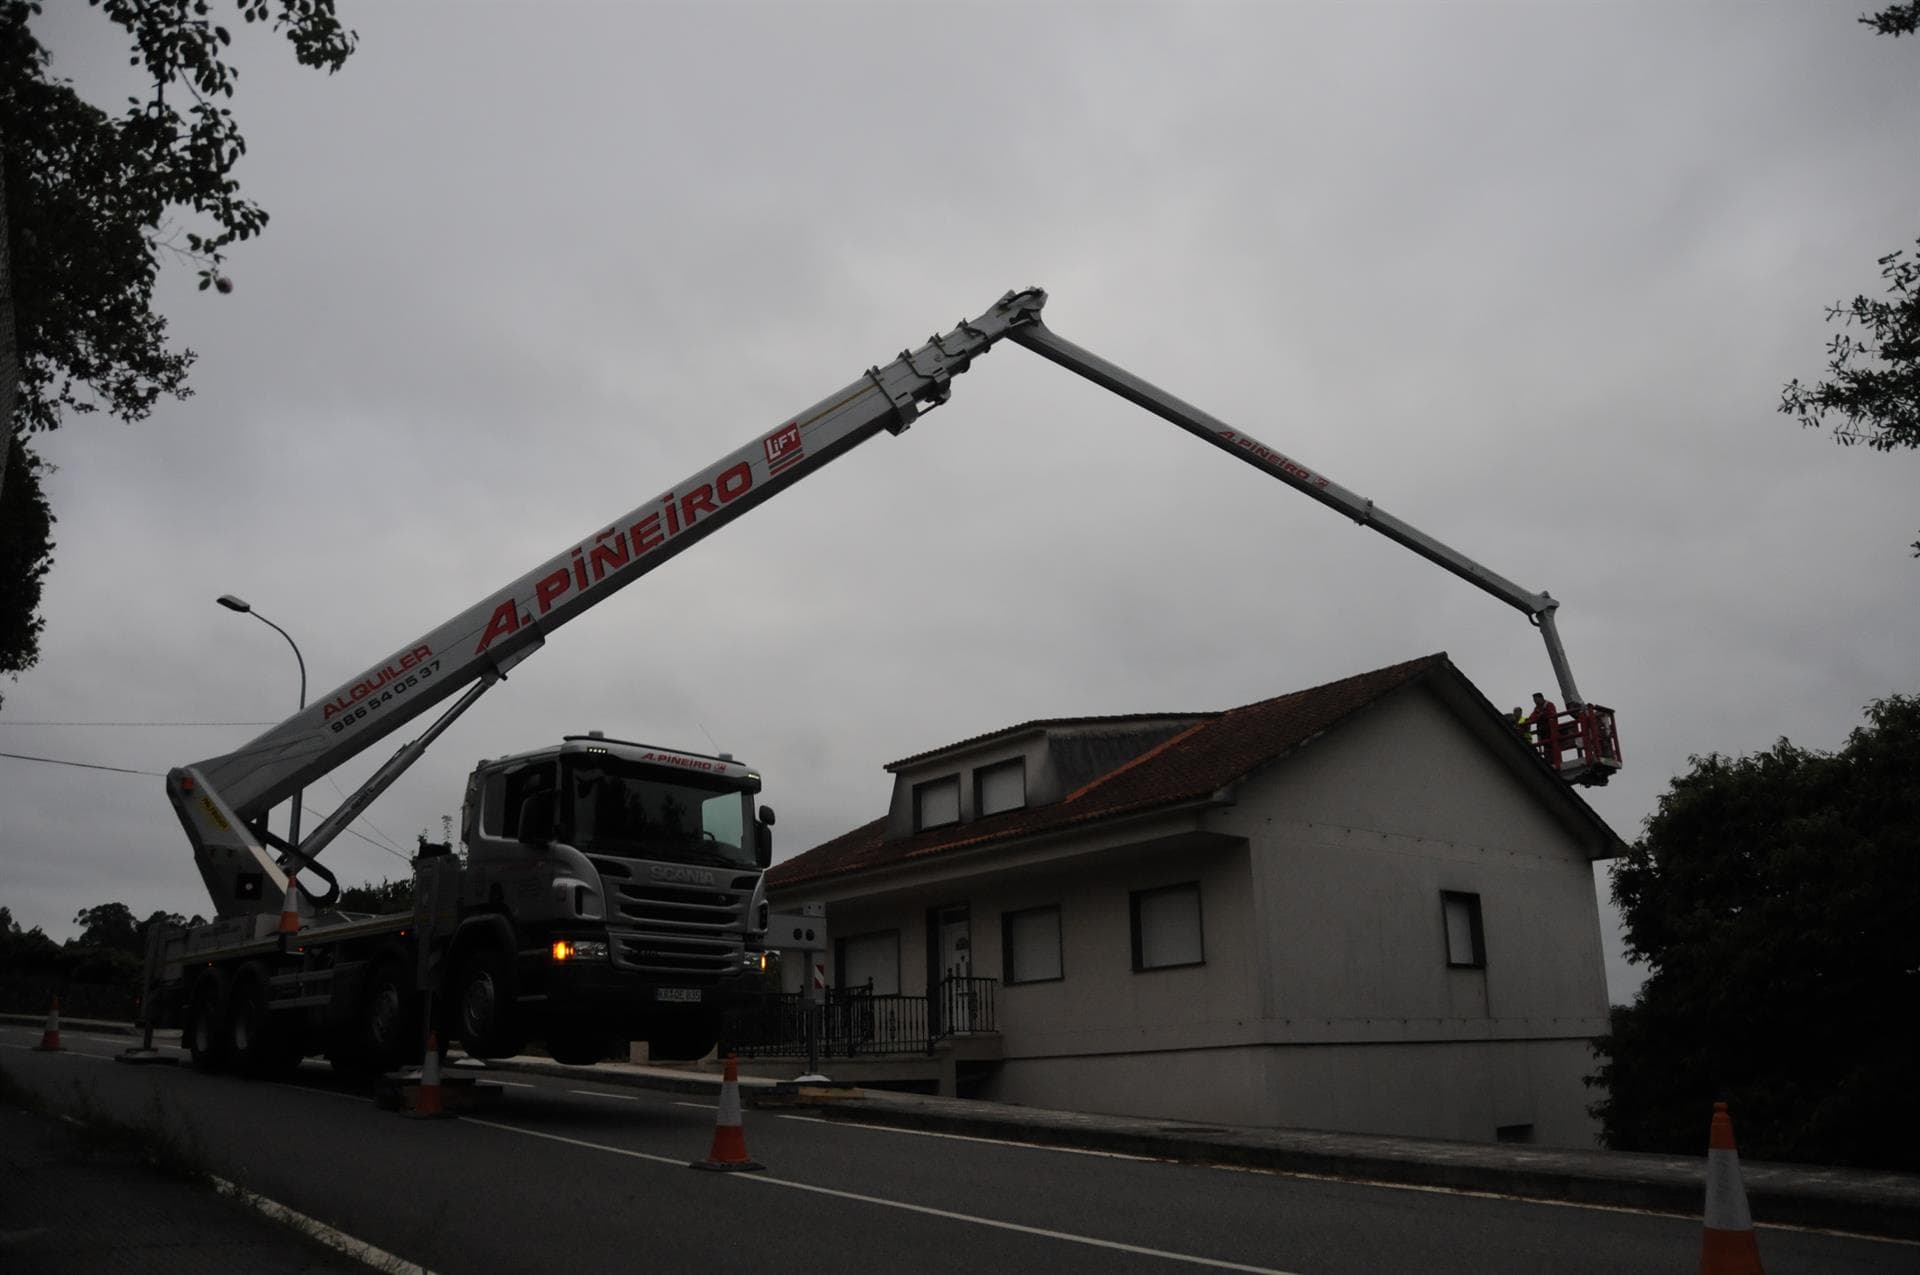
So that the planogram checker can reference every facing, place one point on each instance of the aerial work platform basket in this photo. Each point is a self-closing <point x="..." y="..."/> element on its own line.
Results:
<point x="1581" y="744"/>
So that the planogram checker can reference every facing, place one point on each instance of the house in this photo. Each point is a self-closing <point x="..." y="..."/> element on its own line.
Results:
<point x="1367" y="906"/>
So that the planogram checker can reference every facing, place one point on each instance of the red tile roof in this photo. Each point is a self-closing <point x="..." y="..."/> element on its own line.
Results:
<point x="1212" y="753"/>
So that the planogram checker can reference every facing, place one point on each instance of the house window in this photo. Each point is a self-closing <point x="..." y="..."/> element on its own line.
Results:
<point x="1466" y="941"/>
<point x="1030" y="945"/>
<point x="1002" y="786"/>
<point x="936" y="803"/>
<point x="1166" y="927"/>
<point x="870" y="961"/>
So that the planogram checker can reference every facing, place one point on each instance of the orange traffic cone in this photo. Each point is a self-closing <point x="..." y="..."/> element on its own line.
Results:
<point x="50" y="1038"/>
<point x="1728" y="1246"/>
<point x="427" y="1098"/>
<point x="290" y="909"/>
<point x="729" y="1153"/>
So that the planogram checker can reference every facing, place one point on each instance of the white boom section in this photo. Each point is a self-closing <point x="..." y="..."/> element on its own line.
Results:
<point x="220" y="799"/>
<point x="273" y="766"/>
<point x="1540" y="607"/>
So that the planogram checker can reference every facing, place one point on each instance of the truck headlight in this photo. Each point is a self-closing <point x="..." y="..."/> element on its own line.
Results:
<point x="579" y="950"/>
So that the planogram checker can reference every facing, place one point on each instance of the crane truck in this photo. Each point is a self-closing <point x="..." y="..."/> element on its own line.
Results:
<point x="610" y="891"/>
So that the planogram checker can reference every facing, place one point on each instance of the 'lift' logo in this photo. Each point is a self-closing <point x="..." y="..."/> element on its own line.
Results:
<point x="783" y="447"/>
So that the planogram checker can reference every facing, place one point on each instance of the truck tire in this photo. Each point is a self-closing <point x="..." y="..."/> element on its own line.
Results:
<point x="205" y="1029"/>
<point x="389" y="1035"/>
<point x="483" y="1004"/>
<point x="249" y="1025"/>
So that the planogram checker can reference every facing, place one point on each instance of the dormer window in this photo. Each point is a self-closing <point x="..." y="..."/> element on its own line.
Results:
<point x="936" y="803"/>
<point x="1002" y="786"/>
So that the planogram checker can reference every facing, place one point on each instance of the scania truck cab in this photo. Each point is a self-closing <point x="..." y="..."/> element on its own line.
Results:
<point x="632" y="876"/>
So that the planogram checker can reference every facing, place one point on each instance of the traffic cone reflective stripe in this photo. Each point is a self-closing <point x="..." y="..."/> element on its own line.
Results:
<point x="1727" y="1246"/>
<point x="290" y="909"/>
<point x="429" y="1100"/>
<point x="729" y="1152"/>
<point x="50" y="1038"/>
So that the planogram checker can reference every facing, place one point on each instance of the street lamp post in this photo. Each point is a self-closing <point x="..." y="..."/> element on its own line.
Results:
<point x="232" y="603"/>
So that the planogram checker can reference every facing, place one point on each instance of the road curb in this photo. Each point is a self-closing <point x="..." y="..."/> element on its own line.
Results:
<point x="1864" y="1202"/>
<point x="1859" y="1201"/>
<point x="667" y="1084"/>
<point x="1660" y="1186"/>
<point x="68" y="1023"/>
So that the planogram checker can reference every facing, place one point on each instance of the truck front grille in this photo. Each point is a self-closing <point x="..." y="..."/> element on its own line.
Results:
<point x="676" y="929"/>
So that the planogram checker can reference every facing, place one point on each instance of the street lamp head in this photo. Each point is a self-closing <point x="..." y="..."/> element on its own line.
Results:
<point x="232" y="603"/>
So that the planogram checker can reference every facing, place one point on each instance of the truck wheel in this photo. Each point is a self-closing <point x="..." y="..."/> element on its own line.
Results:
<point x="259" y="1042"/>
<point x="249" y="1026"/>
<point x="483" y="1007"/>
<point x="206" y="1026"/>
<point x="389" y="1018"/>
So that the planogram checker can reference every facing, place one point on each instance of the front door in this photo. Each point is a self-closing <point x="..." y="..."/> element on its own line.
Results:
<point x="952" y="932"/>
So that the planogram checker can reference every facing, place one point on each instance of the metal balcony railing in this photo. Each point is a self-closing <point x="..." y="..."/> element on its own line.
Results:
<point x="855" y="1022"/>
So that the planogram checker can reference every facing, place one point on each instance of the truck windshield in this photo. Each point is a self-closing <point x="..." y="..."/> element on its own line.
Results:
<point x="638" y="812"/>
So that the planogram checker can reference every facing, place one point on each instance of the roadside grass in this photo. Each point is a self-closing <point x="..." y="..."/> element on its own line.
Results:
<point x="166" y="1141"/>
<point x="162" y="1140"/>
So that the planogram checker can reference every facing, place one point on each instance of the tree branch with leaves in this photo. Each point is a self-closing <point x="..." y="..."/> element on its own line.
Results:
<point x="91" y="203"/>
<point x="1872" y="391"/>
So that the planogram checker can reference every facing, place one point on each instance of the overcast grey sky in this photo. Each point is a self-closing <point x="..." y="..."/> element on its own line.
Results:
<point x="1530" y="276"/>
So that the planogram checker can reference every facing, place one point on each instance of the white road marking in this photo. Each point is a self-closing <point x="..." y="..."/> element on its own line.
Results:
<point x="704" y="1106"/>
<point x="331" y="1093"/>
<point x="72" y="1053"/>
<point x="619" y="1097"/>
<point x="925" y="1210"/>
<point x="1558" y="1204"/>
<point x="359" y="1250"/>
<point x="993" y="1142"/>
<point x="1327" y="1177"/>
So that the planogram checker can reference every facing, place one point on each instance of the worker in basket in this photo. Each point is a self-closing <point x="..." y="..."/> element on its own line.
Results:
<point x="1541" y="720"/>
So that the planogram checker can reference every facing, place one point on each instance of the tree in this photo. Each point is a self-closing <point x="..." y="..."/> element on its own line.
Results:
<point x="88" y="203"/>
<point x="26" y="552"/>
<point x="109" y="925"/>
<point x="1872" y="390"/>
<point x="25" y="951"/>
<point x="1896" y="19"/>
<point x="388" y="896"/>
<point x="1772" y="899"/>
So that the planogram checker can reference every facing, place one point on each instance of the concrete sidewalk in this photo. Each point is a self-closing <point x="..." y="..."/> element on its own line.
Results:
<point x="1863" y="1201"/>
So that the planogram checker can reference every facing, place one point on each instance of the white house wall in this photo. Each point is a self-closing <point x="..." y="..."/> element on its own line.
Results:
<point x="1325" y="999"/>
<point x="1350" y="857"/>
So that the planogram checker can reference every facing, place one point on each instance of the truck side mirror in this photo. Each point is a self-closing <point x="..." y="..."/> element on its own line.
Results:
<point x="536" y="820"/>
<point x="762" y="845"/>
<point x="766" y="815"/>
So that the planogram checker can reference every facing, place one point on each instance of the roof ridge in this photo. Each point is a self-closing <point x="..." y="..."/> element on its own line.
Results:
<point x="1038" y="723"/>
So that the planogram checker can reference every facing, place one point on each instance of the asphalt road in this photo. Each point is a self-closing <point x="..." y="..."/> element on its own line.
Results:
<point x="583" y="1177"/>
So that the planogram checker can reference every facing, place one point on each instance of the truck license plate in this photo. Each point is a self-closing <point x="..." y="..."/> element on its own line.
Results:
<point x="689" y="994"/>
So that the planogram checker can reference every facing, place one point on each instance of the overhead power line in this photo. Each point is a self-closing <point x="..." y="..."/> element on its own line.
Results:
<point x="83" y="765"/>
<point x="123" y="770"/>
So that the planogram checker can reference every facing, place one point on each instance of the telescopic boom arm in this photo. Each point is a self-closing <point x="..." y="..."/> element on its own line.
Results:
<point x="1539" y="607"/>
<point x="223" y="801"/>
